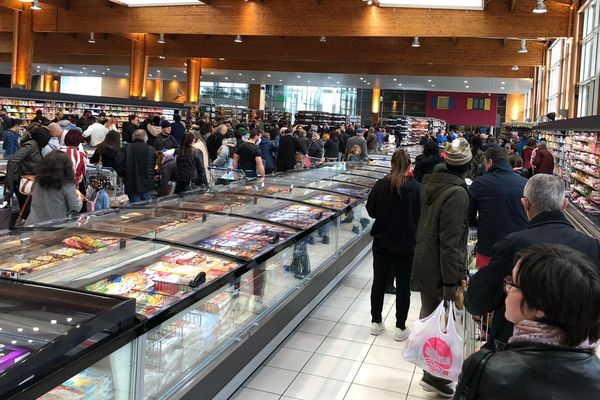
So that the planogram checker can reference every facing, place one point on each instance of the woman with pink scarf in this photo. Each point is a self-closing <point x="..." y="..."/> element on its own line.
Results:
<point x="553" y="300"/>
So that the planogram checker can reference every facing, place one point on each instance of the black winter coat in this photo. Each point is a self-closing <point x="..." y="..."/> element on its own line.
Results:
<point x="396" y="216"/>
<point x="332" y="148"/>
<point x="190" y="168"/>
<point x="286" y="156"/>
<point x="441" y="252"/>
<point x="424" y="166"/>
<point x="486" y="293"/>
<point x="107" y="156"/>
<point x="497" y="196"/>
<point x="136" y="165"/>
<point x="213" y="143"/>
<point x="538" y="372"/>
<point x="166" y="142"/>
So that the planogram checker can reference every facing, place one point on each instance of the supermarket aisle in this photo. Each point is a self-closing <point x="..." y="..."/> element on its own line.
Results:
<point x="332" y="355"/>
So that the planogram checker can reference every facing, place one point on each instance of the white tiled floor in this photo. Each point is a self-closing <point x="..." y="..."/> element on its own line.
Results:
<point x="332" y="355"/>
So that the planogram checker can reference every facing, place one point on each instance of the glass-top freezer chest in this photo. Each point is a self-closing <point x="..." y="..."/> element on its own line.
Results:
<point x="156" y="275"/>
<point x="357" y="180"/>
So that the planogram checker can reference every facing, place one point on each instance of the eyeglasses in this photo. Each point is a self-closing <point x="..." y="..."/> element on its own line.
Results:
<point x="508" y="284"/>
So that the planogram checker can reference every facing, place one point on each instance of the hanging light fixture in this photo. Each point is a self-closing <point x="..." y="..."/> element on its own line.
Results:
<point x="161" y="38"/>
<point x="238" y="39"/>
<point x="26" y="1"/>
<point x="370" y="2"/>
<point x="540" y="7"/>
<point x="523" y="48"/>
<point x="415" y="42"/>
<point x="515" y="68"/>
<point x="36" y="6"/>
<point x="323" y="39"/>
<point x="92" y="39"/>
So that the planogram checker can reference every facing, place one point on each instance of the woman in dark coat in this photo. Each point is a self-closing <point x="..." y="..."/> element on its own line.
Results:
<point x="107" y="152"/>
<point x="425" y="163"/>
<point x="190" y="166"/>
<point x="332" y="148"/>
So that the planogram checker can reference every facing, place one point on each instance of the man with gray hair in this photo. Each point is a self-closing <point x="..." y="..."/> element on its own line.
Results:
<point x="544" y="201"/>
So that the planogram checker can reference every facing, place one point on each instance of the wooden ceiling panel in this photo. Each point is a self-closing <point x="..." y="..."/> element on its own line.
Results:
<point x="467" y="51"/>
<point x="307" y="18"/>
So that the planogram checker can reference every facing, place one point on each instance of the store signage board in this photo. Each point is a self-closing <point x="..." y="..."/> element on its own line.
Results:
<point x="158" y="3"/>
<point x="447" y="4"/>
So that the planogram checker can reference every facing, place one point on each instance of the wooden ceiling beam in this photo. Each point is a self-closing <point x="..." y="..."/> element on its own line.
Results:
<point x="14" y="5"/>
<point x="281" y="18"/>
<point x="466" y="51"/>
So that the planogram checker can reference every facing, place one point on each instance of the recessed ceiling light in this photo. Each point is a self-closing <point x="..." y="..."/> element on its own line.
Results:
<point x="395" y="79"/>
<point x="184" y="71"/>
<point x="399" y="84"/>
<point x="226" y="78"/>
<point x="149" y="74"/>
<point x="361" y="78"/>
<point x="281" y="80"/>
<point x="126" y="74"/>
<point x="432" y="85"/>
<point x="502" y="88"/>
<point x="174" y="76"/>
<point x="268" y="75"/>
<point x="466" y="81"/>
<point x="221" y="59"/>
<point x="428" y="80"/>
<point x="299" y="76"/>
<point x="158" y="71"/>
<point x="94" y="71"/>
<point x="467" y="86"/>
<point x="253" y="79"/>
<point x="328" y="77"/>
<point x="108" y="69"/>
<point x="155" y="3"/>
<point x="368" y="83"/>
<point x="212" y="73"/>
<point x="240" y="74"/>
<point x="185" y="64"/>
<point x="162" y="57"/>
<point x="502" y="83"/>
<point x="308" y="81"/>
<point x="84" y="68"/>
<point x="338" y="82"/>
<point x="60" y="67"/>
<point x="81" y="72"/>
<point x="104" y="73"/>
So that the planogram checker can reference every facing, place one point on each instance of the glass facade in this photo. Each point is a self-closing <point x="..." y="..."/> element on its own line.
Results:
<point x="555" y="82"/>
<point x="224" y="94"/>
<point x="589" y="79"/>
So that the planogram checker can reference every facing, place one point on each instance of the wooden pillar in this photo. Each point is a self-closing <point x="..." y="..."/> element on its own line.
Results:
<point x="157" y="92"/>
<point x="23" y="43"/>
<point x="138" y="70"/>
<point x="375" y="106"/>
<point x="256" y="97"/>
<point x="194" y="71"/>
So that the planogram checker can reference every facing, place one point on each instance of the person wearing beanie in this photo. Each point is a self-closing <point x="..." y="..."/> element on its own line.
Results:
<point x="166" y="141"/>
<point x="154" y="129"/>
<point x="54" y="144"/>
<point x="25" y="162"/>
<point x="441" y="251"/>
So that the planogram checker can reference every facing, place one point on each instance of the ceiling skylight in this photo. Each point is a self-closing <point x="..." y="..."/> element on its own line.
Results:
<point x="449" y="4"/>
<point x="158" y="3"/>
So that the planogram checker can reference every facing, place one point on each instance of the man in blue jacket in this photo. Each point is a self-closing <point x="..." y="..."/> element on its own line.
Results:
<point x="495" y="203"/>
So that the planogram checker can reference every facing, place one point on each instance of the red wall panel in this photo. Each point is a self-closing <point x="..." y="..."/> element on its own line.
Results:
<point x="459" y="114"/>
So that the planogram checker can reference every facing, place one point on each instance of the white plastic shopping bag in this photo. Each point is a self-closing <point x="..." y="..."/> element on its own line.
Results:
<point x="436" y="349"/>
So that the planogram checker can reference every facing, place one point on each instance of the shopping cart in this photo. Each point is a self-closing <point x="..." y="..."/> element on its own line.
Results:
<point x="475" y="327"/>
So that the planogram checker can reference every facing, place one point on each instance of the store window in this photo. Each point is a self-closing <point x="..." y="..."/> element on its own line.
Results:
<point x="225" y="94"/>
<point x="555" y="84"/>
<point x="83" y="85"/>
<point x="590" y="65"/>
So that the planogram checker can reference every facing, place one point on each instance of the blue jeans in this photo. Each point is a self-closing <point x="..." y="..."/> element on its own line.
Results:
<point x="136" y="198"/>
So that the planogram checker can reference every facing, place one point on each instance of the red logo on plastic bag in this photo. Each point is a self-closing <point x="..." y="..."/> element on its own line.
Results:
<point x="437" y="355"/>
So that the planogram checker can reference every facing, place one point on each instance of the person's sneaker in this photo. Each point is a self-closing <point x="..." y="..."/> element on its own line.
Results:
<point x="377" y="328"/>
<point x="355" y="230"/>
<point x="401" y="335"/>
<point x="390" y="290"/>
<point x="431" y="384"/>
<point x="325" y="239"/>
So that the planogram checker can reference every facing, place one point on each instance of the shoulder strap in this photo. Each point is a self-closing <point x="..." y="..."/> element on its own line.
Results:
<point x="470" y="379"/>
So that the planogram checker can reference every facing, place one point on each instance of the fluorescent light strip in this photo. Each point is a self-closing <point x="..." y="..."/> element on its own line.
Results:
<point x="446" y="4"/>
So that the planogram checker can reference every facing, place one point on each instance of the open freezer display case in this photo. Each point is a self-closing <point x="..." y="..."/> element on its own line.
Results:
<point x="356" y="180"/>
<point x="45" y="327"/>
<point x="368" y="174"/>
<point x="348" y="189"/>
<point x="211" y="287"/>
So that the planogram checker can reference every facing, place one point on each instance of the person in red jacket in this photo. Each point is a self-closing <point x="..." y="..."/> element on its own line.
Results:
<point x="527" y="151"/>
<point x="542" y="159"/>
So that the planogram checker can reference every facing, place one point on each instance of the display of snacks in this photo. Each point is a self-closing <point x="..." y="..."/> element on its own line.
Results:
<point x="246" y="240"/>
<point x="10" y="354"/>
<point x="214" y="202"/>
<point x="298" y="215"/>
<point x="263" y="189"/>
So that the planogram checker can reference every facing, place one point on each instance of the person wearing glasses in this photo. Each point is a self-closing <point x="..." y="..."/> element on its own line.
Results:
<point x="553" y="300"/>
<point x="544" y="201"/>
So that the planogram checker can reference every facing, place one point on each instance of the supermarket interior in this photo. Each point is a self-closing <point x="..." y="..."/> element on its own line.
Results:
<point x="217" y="242"/>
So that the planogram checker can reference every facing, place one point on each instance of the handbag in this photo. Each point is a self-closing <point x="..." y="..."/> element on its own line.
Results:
<point x="436" y="350"/>
<point x="469" y="381"/>
<point x="27" y="184"/>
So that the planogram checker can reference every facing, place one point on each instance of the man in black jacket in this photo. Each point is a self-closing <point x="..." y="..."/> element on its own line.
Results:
<point x="130" y="127"/>
<point x="544" y="199"/>
<point x="496" y="195"/>
<point x="136" y="164"/>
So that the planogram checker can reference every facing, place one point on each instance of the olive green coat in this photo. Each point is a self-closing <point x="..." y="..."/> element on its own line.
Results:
<point x="441" y="251"/>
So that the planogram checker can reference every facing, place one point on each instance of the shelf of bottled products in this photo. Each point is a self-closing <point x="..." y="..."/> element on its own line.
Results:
<point x="207" y="271"/>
